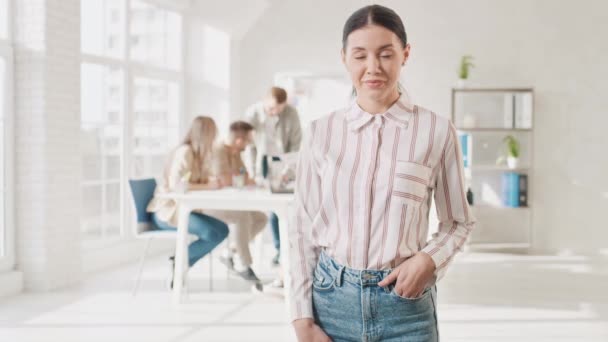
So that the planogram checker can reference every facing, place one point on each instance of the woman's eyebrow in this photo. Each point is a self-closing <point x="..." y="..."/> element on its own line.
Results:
<point x="385" y="46"/>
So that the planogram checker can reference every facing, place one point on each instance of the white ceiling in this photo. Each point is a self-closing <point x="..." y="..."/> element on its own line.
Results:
<point x="235" y="17"/>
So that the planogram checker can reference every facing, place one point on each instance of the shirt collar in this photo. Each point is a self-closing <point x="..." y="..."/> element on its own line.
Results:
<point x="399" y="114"/>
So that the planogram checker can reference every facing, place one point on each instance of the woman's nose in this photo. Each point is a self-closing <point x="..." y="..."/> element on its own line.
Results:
<point x="372" y="65"/>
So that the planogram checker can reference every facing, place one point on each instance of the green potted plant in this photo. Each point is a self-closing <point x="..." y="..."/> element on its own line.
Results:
<point x="513" y="151"/>
<point x="466" y="63"/>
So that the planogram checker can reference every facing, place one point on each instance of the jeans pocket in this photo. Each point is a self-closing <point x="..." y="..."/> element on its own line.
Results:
<point x="323" y="280"/>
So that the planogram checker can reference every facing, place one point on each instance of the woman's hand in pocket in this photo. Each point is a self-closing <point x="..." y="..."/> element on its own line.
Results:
<point x="412" y="276"/>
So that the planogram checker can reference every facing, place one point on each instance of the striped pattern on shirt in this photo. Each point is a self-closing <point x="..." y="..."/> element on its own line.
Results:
<point x="363" y="193"/>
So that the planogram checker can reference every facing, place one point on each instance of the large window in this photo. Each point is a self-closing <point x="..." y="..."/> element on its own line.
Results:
<point x="103" y="27"/>
<point x="155" y="124"/>
<point x="7" y="241"/>
<point x="155" y="36"/>
<point x="101" y="136"/>
<point x="130" y="105"/>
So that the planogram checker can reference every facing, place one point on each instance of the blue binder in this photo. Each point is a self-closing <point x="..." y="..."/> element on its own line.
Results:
<point x="464" y="145"/>
<point x="510" y="189"/>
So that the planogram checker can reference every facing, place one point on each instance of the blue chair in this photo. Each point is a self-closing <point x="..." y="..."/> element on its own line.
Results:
<point x="143" y="192"/>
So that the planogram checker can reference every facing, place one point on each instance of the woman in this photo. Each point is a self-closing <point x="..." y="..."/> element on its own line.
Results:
<point x="362" y="268"/>
<point x="190" y="162"/>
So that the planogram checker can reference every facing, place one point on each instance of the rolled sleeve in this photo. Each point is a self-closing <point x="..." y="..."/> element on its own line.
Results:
<point x="456" y="220"/>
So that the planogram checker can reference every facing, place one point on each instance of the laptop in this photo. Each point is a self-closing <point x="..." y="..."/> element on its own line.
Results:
<point x="282" y="175"/>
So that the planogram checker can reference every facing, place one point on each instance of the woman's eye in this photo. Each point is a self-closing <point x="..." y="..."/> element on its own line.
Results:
<point x="386" y="56"/>
<point x="359" y="57"/>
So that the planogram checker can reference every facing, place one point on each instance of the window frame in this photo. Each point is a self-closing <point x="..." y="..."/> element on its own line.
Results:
<point x="131" y="70"/>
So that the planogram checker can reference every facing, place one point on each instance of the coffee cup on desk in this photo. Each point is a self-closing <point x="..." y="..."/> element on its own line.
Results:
<point x="182" y="186"/>
<point x="238" y="181"/>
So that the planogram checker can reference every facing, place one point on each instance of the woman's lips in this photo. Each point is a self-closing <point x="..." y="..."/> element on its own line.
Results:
<point x="374" y="84"/>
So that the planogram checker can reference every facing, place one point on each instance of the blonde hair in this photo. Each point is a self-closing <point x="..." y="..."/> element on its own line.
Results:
<point x="200" y="138"/>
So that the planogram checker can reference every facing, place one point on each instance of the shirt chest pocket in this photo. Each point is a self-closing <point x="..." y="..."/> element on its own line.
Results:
<point x="411" y="182"/>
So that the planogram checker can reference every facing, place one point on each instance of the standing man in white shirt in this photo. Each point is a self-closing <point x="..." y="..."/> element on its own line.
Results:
<point x="277" y="131"/>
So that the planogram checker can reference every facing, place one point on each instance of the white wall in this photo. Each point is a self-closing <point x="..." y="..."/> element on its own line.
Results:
<point x="213" y="58"/>
<point x="559" y="48"/>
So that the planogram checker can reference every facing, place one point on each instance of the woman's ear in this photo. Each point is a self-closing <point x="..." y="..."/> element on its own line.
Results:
<point x="406" y="54"/>
<point x="343" y="56"/>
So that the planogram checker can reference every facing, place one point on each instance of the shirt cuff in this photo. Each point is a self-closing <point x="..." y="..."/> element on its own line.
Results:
<point x="301" y="309"/>
<point x="439" y="255"/>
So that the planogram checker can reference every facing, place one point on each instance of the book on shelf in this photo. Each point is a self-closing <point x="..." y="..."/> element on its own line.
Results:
<point x="523" y="190"/>
<point x="523" y="110"/>
<point x="508" y="110"/>
<point x="510" y="189"/>
<point x="517" y="110"/>
<point x="514" y="189"/>
<point x="466" y="148"/>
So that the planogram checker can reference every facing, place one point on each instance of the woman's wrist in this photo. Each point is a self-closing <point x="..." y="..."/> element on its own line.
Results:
<point x="303" y="323"/>
<point x="428" y="259"/>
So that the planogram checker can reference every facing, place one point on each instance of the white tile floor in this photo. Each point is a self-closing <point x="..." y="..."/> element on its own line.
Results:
<point x="485" y="297"/>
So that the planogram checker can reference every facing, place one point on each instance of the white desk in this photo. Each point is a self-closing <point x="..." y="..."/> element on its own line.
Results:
<point x="228" y="199"/>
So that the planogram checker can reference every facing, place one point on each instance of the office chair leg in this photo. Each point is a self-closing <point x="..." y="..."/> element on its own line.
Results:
<point x="210" y="272"/>
<point x="228" y="252"/>
<point x="141" y="267"/>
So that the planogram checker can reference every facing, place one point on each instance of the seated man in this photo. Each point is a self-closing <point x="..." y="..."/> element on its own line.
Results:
<point x="227" y="163"/>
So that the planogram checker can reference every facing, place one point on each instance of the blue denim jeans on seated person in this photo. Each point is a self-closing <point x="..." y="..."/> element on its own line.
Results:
<point x="209" y="230"/>
<point x="349" y="305"/>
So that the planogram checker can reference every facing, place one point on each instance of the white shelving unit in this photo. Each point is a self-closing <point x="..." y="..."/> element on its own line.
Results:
<point x="487" y="116"/>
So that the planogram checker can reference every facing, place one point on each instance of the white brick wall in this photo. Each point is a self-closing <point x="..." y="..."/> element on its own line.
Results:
<point x="47" y="84"/>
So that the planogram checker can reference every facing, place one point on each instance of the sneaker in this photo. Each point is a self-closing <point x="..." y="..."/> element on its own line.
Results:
<point x="276" y="260"/>
<point x="228" y="262"/>
<point x="248" y="275"/>
<point x="257" y="288"/>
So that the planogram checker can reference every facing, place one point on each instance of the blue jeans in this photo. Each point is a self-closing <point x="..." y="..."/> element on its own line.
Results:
<point x="274" y="227"/>
<point x="274" y="220"/>
<point x="349" y="305"/>
<point x="210" y="232"/>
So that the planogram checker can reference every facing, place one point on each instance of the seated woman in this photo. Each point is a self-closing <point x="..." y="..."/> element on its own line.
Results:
<point x="227" y="163"/>
<point x="189" y="162"/>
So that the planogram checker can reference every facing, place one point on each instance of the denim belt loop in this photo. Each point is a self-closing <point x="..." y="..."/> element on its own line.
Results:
<point x="339" y="276"/>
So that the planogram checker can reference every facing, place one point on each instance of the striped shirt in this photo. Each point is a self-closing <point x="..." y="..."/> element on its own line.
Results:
<point x="363" y="193"/>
